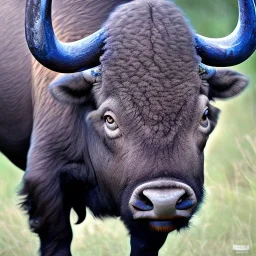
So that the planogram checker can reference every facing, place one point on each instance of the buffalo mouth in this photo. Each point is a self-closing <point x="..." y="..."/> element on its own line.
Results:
<point x="167" y="226"/>
<point x="162" y="226"/>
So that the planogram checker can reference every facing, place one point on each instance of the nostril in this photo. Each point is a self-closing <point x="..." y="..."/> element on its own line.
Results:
<point x="180" y="201"/>
<point x="143" y="204"/>
<point x="184" y="203"/>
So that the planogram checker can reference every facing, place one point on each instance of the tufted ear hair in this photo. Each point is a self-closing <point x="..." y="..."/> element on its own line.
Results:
<point x="70" y="88"/>
<point x="226" y="84"/>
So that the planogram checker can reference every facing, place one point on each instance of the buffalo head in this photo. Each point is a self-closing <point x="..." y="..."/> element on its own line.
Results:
<point x="144" y="100"/>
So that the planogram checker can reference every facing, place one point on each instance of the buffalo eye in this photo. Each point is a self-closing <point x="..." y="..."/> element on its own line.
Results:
<point x="109" y="119"/>
<point x="111" y="127"/>
<point x="110" y="122"/>
<point x="204" y="122"/>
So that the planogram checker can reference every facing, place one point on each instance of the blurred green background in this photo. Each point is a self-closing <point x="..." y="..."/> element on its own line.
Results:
<point x="228" y="215"/>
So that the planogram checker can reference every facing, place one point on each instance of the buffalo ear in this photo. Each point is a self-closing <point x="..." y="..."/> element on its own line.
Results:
<point x="226" y="84"/>
<point x="70" y="88"/>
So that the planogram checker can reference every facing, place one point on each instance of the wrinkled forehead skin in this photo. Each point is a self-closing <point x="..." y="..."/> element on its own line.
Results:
<point x="150" y="65"/>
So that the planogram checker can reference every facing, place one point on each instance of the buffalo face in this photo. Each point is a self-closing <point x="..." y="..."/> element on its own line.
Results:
<point x="145" y="178"/>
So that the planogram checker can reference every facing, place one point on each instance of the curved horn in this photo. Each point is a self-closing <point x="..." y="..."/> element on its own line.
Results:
<point x="49" y="51"/>
<point x="235" y="48"/>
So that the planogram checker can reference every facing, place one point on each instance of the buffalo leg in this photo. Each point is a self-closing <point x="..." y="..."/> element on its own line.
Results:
<point x="49" y="214"/>
<point x="56" y="242"/>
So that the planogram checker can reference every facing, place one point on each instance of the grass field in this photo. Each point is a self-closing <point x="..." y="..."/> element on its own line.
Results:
<point x="227" y="217"/>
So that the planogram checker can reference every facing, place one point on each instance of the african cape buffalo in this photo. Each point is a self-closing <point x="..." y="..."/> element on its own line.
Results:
<point x="125" y="130"/>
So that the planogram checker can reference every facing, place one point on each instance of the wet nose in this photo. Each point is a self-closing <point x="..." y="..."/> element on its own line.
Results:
<point x="162" y="200"/>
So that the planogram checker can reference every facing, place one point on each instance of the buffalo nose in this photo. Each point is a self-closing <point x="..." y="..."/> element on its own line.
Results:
<point x="162" y="200"/>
